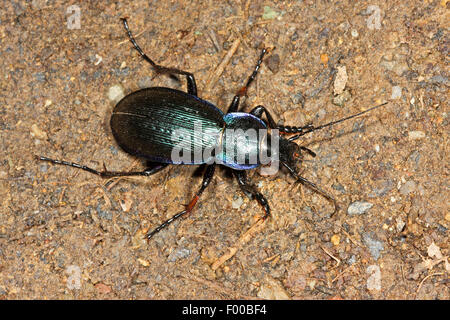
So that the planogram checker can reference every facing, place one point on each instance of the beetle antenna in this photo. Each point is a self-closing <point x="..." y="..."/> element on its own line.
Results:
<point x="312" y="128"/>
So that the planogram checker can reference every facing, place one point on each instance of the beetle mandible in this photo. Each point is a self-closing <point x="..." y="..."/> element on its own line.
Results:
<point x="143" y="124"/>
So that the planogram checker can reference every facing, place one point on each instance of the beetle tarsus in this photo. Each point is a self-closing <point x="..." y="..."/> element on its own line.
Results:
<point x="191" y="85"/>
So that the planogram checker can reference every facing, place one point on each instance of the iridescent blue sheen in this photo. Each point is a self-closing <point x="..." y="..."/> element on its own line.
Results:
<point x="240" y="148"/>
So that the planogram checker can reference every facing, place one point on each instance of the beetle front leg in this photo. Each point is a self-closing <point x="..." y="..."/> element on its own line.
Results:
<point x="313" y="187"/>
<point x="207" y="177"/>
<point x="248" y="188"/>
<point x="191" y="86"/>
<point x="258" y="112"/>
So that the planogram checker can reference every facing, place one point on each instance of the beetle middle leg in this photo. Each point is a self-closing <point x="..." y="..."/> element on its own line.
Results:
<point x="243" y="91"/>
<point x="191" y="86"/>
<point x="241" y="176"/>
<point x="153" y="167"/>
<point x="207" y="177"/>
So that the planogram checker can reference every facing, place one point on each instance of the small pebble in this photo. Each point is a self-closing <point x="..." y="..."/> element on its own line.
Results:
<point x="400" y="224"/>
<point x="273" y="63"/>
<point x="359" y="207"/>
<point x="126" y="203"/>
<point x="335" y="239"/>
<point x="415" y="135"/>
<point x="179" y="254"/>
<point x="237" y="203"/>
<point x="396" y="92"/>
<point x="342" y="98"/>
<point x="269" y="13"/>
<point x="408" y="187"/>
<point x="355" y="33"/>
<point x="143" y="262"/>
<point x="377" y="148"/>
<point x="340" y="80"/>
<point x="271" y="289"/>
<point x="375" y="246"/>
<point x="374" y="280"/>
<point x="384" y="187"/>
<point x="439" y="79"/>
<point x="36" y="132"/>
<point x="374" y="19"/>
<point x="298" y="98"/>
<point x="352" y="260"/>
<point x="102" y="288"/>
<point x="115" y="93"/>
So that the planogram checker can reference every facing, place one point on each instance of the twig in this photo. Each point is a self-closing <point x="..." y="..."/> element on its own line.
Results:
<point x="328" y="253"/>
<point x="219" y="70"/>
<point x="216" y="287"/>
<point x="351" y="239"/>
<point x="423" y="280"/>
<point x="213" y="37"/>
<point x="242" y="241"/>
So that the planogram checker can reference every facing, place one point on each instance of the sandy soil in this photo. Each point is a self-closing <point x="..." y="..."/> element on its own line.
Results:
<point x="68" y="234"/>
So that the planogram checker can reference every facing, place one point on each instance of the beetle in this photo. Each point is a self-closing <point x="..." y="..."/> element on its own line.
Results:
<point x="144" y="122"/>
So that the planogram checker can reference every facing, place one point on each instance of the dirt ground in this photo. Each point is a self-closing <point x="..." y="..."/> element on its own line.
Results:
<point x="66" y="234"/>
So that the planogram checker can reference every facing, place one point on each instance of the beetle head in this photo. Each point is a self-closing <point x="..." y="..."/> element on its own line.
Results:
<point x="291" y="153"/>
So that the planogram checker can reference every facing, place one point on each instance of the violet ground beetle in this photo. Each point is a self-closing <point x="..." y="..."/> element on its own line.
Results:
<point x="144" y="121"/>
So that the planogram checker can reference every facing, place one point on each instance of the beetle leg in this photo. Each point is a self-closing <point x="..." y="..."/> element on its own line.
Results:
<point x="314" y="188"/>
<point x="154" y="168"/>
<point x="243" y="91"/>
<point x="258" y="112"/>
<point x="241" y="176"/>
<point x="311" y="153"/>
<point x="207" y="177"/>
<point x="192" y="87"/>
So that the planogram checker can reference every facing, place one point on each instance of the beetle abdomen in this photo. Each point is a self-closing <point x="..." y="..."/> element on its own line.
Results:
<point x="166" y="125"/>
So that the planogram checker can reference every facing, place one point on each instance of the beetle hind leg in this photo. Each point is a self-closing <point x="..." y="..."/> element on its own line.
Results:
<point x="152" y="168"/>
<point x="207" y="177"/>
<point x="191" y="85"/>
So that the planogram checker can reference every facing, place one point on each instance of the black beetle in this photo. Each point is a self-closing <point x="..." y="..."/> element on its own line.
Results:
<point x="145" y="122"/>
